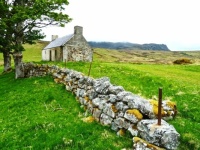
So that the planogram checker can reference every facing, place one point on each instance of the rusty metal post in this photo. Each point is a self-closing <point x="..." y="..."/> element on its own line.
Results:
<point x="159" y="106"/>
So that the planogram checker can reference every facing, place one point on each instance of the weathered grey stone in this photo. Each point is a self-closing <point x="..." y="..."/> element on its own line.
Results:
<point x="128" y="98"/>
<point x="112" y="98"/>
<point x="75" y="82"/>
<point x="101" y="85"/>
<point x="78" y="75"/>
<point x="102" y="103"/>
<point x="54" y="74"/>
<point x="127" y="124"/>
<point x="90" y="107"/>
<point x="90" y="81"/>
<point x="91" y="94"/>
<point x="169" y="108"/>
<point x="103" y="97"/>
<point x="110" y="110"/>
<point x="68" y="87"/>
<point x="122" y="94"/>
<point x="132" y="130"/>
<point x="96" y="102"/>
<point x="86" y="100"/>
<point x="133" y="115"/>
<point x="75" y="74"/>
<point x="96" y="113"/>
<point x="120" y="122"/>
<point x="80" y="92"/>
<point x="140" y="144"/>
<point x="120" y="105"/>
<point x="164" y="135"/>
<point x="81" y="100"/>
<point x="120" y="114"/>
<point x="115" y="89"/>
<point x="68" y="78"/>
<point x="135" y="101"/>
<point x="82" y="80"/>
<point x="143" y="105"/>
<point x="102" y="88"/>
<point x="114" y="126"/>
<point x="105" y="119"/>
<point x="125" y="108"/>
<point x="89" y="87"/>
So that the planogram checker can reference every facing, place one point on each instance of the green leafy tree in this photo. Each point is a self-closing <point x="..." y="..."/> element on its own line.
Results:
<point x="21" y="22"/>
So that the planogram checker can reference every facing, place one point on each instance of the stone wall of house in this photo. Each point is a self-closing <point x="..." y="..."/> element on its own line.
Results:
<point x="78" y="48"/>
<point x="113" y="106"/>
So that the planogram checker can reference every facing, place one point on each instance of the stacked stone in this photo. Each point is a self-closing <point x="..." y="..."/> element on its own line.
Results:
<point x="35" y="70"/>
<point x="163" y="135"/>
<point x="112" y="105"/>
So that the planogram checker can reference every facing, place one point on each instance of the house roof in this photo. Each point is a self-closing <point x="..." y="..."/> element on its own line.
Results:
<point x="59" y="41"/>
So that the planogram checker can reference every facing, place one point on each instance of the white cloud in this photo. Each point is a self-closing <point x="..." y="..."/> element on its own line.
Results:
<point x="172" y="22"/>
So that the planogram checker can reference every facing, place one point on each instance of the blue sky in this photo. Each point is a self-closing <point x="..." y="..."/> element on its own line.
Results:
<point x="175" y="23"/>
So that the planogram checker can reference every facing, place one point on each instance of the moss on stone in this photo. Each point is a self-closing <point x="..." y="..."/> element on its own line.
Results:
<point x="85" y="107"/>
<point x="136" y="113"/>
<point x="89" y="119"/>
<point x="134" y="127"/>
<point x="114" y="109"/>
<point x="121" y="132"/>
<point x="86" y="98"/>
<point x="57" y="80"/>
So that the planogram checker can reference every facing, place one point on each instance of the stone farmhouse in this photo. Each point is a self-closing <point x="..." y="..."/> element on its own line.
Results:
<point x="73" y="47"/>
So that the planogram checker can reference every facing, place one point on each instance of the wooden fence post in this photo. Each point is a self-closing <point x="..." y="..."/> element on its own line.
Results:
<point x="90" y="64"/>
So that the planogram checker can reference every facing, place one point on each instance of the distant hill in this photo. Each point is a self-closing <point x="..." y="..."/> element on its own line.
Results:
<point x="127" y="45"/>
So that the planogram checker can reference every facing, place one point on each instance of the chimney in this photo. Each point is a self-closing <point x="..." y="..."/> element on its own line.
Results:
<point x="53" y="37"/>
<point x="78" y="30"/>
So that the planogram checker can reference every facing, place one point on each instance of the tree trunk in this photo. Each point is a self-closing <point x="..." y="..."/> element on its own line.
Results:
<point x="19" y="68"/>
<point x="7" y="61"/>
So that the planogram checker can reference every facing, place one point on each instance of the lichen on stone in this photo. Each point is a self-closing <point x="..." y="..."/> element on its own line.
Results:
<point x="89" y="119"/>
<point x="136" y="113"/>
<point x="154" y="103"/>
<point x="171" y="104"/>
<point x="142" y="144"/>
<point x="86" y="98"/>
<point x="121" y="132"/>
<point x="114" y="109"/>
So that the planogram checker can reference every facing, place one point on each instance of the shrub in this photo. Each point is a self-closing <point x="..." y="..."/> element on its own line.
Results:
<point x="183" y="61"/>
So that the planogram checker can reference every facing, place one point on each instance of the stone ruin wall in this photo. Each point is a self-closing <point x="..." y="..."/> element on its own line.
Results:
<point x="113" y="106"/>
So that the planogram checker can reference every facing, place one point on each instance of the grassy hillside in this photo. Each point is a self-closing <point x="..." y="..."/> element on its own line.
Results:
<point x="144" y="56"/>
<point x="27" y="104"/>
<point x="33" y="53"/>
<point x="38" y="114"/>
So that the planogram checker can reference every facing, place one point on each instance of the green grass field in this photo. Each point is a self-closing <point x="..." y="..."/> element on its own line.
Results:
<point x="27" y="106"/>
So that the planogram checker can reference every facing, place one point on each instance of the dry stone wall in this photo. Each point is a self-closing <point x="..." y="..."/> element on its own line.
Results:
<point x="111" y="105"/>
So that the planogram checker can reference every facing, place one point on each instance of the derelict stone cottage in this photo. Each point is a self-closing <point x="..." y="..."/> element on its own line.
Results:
<point x="73" y="47"/>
